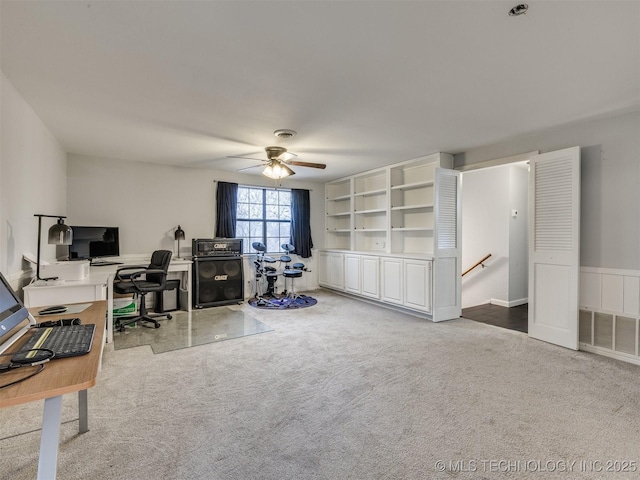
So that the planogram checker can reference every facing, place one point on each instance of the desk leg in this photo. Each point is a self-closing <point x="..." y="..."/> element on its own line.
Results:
<point x="110" y="308"/>
<point x="83" y="411"/>
<point x="50" y="438"/>
<point x="189" y="285"/>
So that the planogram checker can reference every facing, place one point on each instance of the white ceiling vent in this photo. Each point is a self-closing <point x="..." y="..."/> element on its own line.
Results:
<point x="284" y="133"/>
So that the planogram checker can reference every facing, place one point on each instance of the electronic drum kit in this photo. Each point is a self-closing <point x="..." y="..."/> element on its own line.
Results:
<point x="266" y="271"/>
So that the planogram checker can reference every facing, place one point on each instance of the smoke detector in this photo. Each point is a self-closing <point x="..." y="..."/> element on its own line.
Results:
<point x="284" y="133"/>
<point x="519" y="10"/>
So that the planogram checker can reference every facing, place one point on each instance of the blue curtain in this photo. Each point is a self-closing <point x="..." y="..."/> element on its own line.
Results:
<point x="226" y="207"/>
<point x="301" y="222"/>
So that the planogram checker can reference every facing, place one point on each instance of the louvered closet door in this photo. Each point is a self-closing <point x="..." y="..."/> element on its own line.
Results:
<point x="554" y="246"/>
<point x="446" y="280"/>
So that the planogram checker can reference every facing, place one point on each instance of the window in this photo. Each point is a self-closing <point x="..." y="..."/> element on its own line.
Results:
<point x="263" y="215"/>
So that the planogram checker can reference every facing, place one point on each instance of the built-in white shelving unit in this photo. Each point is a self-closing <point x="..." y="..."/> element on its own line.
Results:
<point x="339" y="213"/>
<point x="387" y="210"/>
<point x="385" y="222"/>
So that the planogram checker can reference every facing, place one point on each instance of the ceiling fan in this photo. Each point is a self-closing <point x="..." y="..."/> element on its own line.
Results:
<point x="277" y="163"/>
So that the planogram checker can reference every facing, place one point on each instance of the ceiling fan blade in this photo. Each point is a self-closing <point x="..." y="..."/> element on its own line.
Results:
<point x="286" y="156"/>
<point x="252" y="166"/>
<point x="307" y="164"/>
<point x="247" y="158"/>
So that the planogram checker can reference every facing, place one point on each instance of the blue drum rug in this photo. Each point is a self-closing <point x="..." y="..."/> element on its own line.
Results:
<point x="282" y="302"/>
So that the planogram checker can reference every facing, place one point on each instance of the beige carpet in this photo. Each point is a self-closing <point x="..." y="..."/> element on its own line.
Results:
<point x="345" y="390"/>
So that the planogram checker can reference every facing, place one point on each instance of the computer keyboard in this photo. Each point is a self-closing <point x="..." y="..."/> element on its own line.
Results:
<point x="63" y="341"/>
<point x="104" y="264"/>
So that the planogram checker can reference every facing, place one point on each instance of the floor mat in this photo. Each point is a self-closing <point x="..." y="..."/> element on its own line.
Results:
<point x="282" y="301"/>
<point x="186" y="330"/>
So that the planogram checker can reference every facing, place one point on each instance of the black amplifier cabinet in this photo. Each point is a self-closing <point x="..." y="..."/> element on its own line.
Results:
<point x="216" y="247"/>
<point x="217" y="281"/>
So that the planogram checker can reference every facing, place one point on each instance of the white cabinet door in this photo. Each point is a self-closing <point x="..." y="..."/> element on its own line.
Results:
<point x="392" y="280"/>
<point x="331" y="270"/>
<point x="336" y="270"/>
<point x="352" y="273"/>
<point x="370" y="276"/>
<point x="417" y="284"/>
<point x="323" y="269"/>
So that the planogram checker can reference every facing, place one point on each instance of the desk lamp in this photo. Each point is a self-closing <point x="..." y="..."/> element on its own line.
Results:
<point x="59" y="234"/>
<point x="178" y="235"/>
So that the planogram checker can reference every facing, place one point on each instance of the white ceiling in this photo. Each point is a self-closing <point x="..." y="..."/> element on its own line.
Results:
<point x="364" y="83"/>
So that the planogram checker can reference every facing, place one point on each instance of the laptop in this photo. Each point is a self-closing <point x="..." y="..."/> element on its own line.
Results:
<point x="15" y="319"/>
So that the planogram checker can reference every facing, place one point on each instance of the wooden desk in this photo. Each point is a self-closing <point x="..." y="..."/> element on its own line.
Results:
<point x="61" y="376"/>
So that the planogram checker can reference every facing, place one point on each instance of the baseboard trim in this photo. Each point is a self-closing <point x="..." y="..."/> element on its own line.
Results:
<point x="512" y="303"/>
<point x="379" y="303"/>
<point x="605" y="352"/>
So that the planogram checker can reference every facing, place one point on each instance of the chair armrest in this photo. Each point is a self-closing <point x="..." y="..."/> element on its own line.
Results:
<point x="133" y="269"/>
<point x="154" y="270"/>
<point x="136" y="275"/>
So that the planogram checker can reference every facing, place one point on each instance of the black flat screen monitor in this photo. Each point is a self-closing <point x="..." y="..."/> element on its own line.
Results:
<point x="94" y="242"/>
<point x="12" y="314"/>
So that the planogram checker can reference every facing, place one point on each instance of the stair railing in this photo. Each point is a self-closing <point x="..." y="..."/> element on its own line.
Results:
<point x="481" y="262"/>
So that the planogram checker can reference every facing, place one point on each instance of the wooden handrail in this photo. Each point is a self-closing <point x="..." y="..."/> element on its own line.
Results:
<point x="479" y="263"/>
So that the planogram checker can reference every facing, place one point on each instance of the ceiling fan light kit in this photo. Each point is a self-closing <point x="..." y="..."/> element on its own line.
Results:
<point x="277" y="170"/>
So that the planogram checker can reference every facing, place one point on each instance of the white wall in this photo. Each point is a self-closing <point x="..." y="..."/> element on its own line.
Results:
<point x="485" y="229"/>
<point x="489" y="197"/>
<point x="610" y="185"/>
<point x="149" y="201"/>
<point x="32" y="180"/>
<point x="518" y="233"/>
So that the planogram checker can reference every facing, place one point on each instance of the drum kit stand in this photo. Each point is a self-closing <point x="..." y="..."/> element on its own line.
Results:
<point x="267" y="274"/>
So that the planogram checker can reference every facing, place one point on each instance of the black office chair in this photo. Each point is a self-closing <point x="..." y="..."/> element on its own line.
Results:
<point x="141" y="280"/>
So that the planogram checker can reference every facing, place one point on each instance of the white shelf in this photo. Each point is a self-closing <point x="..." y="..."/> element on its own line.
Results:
<point x="340" y="198"/>
<point x="411" y="229"/>
<point x="364" y="230"/>
<point x="338" y="230"/>
<point x="410" y="186"/>
<point x="341" y="214"/>
<point x="413" y="207"/>
<point x="369" y="193"/>
<point x="374" y="210"/>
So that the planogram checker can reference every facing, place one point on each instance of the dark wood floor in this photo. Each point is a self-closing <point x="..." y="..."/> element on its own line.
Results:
<point x="514" y="318"/>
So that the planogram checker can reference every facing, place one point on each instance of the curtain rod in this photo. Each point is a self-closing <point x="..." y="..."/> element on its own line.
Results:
<point x="262" y="186"/>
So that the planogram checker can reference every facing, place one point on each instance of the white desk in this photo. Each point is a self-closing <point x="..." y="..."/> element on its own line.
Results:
<point x="98" y="285"/>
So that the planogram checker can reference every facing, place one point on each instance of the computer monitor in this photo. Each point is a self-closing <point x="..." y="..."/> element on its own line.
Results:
<point x="14" y="317"/>
<point x="94" y="242"/>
